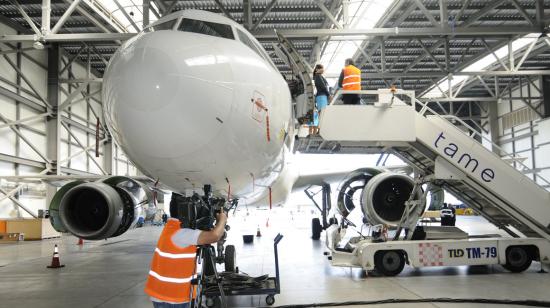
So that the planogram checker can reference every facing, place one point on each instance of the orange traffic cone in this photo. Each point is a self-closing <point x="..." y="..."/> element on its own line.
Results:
<point x="55" y="259"/>
<point x="80" y="242"/>
<point x="258" y="233"/>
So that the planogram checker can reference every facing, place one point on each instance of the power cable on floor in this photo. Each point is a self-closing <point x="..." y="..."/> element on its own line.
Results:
<point x="531" y="303"/>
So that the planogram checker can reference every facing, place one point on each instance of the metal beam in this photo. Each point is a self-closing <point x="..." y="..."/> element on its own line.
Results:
<point x="22" y="161"/>
<point x="361" y="34"/>
<point x="526" y="54"/>
<point x="462" y="9"/>
<point x="80" y="80"/>
<point x="482" y="12"/>
<point x="539" y="6"/>
<point x="53" y="136"/>
<point x="486" y="86"/>
<point x="74" y="57"/>
<point x="429" y="53"/>
<point x="504" y="31"/>
<point x="170" y="7"/>
<point x="69" y="100"/>
<point x="18" y="203"/>
<point x="145" y="12"/>
<point x="46" y="14"/>
<point x="126" y="15"/>
<point x="21" y="99"/>
<point x="24" y="120"/>
<point x="426" y="13"/>
<point x="26" y="17"/>
<point x="27" y="81"/>
<point x="5" y="52"/>
<point x="65" y="15"/>
<point x="328" y="14"/>
<point x="82" y="146"/>
<point x="247" y="14"/>
<point x="69" y="37"/>
<point x="264" y="14"/>
<point x="24" y="138"/>
<point x="427" y="75"/>
<point x="492" y="51"/>
<point x="223" y="9"/>
<point x="523" y="13"/>
<point x="443" y="13"/>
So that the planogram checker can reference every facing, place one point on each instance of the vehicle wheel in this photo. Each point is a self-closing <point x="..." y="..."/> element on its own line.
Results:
<point x="210" y="302"/>
<point x="316" y="228"/>
<point x="518" y="259"/>
<point x="389" y="262"/>
<point x="229" y="258"/>
<point x="270" y="300"/>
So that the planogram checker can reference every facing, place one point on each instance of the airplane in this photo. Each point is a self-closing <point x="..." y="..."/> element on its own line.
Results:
<point x="192" y="100"/>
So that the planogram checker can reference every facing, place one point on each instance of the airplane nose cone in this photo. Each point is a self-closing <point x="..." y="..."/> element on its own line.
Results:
<point x="147" y="78"/>
<point x="167" y="94"/>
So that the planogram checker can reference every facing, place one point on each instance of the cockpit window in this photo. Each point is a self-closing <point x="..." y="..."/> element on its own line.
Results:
<point x="169" y="25"/>
<point x="206" y="27"/>
<point x="248" y="42"/>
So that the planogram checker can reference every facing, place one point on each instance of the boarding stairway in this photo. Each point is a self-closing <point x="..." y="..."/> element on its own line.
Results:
<point x="440" y="152"/>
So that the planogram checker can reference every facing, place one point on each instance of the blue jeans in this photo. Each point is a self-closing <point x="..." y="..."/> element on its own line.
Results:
<point x="167" y="305"/>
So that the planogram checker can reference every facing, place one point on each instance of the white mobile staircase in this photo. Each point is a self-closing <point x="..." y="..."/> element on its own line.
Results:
<point x="440" y="151"/>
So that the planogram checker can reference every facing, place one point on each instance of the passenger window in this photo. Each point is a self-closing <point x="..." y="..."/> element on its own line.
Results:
<point x="169" y="25"/>
<point x="206" y="27"/>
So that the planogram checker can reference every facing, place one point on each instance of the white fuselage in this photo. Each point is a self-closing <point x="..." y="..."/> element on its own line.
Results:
<point x="192" y="109"/>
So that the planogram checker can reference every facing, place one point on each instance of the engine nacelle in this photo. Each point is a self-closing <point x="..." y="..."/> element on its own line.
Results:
<point x="99" y="210"/>
<point x="383" y="198"/>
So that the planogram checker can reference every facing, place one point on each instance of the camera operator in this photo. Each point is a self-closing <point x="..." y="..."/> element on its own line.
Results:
<point x="174" y="260"/>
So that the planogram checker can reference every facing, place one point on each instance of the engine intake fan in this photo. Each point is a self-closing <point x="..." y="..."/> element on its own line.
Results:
<point x="99" y="210"/>
<point x="383" y="199"/>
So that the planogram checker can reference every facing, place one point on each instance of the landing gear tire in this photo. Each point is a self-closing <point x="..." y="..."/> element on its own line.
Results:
<point x="212" y="302"/>
<point x="389" y="262"/>
<point x="316" y="228"/>
<point x="229" y="258"/>
<point x="518" y="259"/>
<point x="270" y="300"/>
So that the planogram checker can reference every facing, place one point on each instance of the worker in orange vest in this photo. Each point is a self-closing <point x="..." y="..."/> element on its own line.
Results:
<point x="350" y="79"/>
<point x="174" y="261"/>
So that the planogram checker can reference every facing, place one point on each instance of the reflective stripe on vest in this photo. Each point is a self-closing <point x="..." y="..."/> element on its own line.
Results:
<point x="175" y="255"/>
<point x="172" y="268"/>
<point x="352" y="78"/>
<point x="169" y="279"/>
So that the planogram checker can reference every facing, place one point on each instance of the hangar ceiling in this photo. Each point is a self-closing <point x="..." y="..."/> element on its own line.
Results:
<point x="416" y="45"/>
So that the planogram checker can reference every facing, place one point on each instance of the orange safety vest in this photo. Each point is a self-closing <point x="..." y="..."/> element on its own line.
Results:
<point x="172" y="268"/>
<point x="352" y="78"/>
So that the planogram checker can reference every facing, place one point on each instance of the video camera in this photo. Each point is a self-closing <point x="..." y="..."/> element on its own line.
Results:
<point x="197" y="212"/>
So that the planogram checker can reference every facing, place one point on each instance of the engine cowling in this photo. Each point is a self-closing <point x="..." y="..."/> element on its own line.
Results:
<point x="99" y="210"/>
<point x="384" y="196"/>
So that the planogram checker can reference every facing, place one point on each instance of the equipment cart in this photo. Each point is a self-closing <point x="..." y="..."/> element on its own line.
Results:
<point x="266" y="285"/>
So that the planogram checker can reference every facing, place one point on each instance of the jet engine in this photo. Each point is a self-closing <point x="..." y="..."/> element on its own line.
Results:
<point x="101" y="209"/>
<point x="383" y="199"/>
<point x="382" y="195"/>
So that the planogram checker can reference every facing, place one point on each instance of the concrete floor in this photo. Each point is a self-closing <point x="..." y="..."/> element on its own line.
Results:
<point x="112" y="273"/>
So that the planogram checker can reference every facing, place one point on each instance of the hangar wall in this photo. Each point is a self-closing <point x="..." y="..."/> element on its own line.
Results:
<point x="23" y="147"/>
<point x="523" y="132"/>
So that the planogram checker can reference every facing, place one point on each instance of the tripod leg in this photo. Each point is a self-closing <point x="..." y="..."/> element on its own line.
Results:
<point x="197" y="301"/>
<point x="217" y="277"/>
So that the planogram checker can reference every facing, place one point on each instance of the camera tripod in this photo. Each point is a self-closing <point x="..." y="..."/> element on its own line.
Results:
<point x="205" y="256"/>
